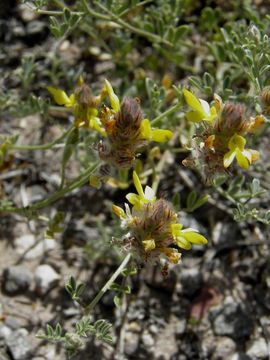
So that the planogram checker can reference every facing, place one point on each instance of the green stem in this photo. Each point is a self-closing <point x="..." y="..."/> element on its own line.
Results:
<point x="78" y="182"/>
<point x="128" y="10"/>
<point x="44" y="146"/>
<point x="57" y="13"/>
<point x="166" y="113"/>
<point x="112" y="17"/>
<point x="93" y="13"/>
<point x="106" y="287"/>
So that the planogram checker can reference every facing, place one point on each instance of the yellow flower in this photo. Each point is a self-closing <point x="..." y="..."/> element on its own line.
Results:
<point x="61" y="97"/>
<point x="152" y="229"/>
<point x="149" y="245"/>
<point x="237" y="150"/>
<point x="200" y="108"/>
<point x="82" y="104"/>
<point x="108" y="90"/>
<point x="185" y="238"/>
<point x="172" y="254"/>
<point x="158" y="135"/>
<point x="143" y="197"/>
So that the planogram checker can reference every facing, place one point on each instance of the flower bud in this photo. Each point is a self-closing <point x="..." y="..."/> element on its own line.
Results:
<point x="232" y="119"/>
<point x="265" y="101"/>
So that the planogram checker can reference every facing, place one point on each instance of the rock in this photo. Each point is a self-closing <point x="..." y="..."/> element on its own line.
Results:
<point x="223" y="231"/>
<point x="154" y="329"/>
<point x="232" y="320"/>
<point x="3" y="356"/>
<point x="26" y="14"/>
<point x="240" y="356"/>
<point x="12" y="323"/>
<point x="79" y="236"/>
<point x="258" y="349"/>
<point x="147" y="340"/>
<point x="35" y="27"/>
<point x="225" y="347"/>
<point x="208" y="345"/>
<point x="26" y="244"/>
<point x="17" y="280"/>
<point x="180" y="327"/>
<point x="131" y="343"/>
<point x="45" y="277"/>
<point x="18" y="345"/>
<point x="5" y="332"/>
<point x="191" y="281"/>
<point x="35" y="31"/>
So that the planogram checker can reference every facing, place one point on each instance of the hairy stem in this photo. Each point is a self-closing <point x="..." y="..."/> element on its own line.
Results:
<point x="44" y="146"/>
<point x="168" y="112"/>
<point x="78" y="182"/>
<point x="106" y="287"/>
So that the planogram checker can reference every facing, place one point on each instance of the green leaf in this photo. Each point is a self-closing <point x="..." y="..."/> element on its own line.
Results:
<point x="176" y="201"/>
<point x="196" y="82"/>
<point x="236" y="185"/>
<point x="66" y="15"/>
<point x="191" y="200"/>
<point x="49" y="330"/>
<point x="118" y="300"/>
<point x="181" y="31"/>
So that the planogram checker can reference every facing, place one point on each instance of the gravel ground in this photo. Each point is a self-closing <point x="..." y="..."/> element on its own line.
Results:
<point x="215" y="305"/>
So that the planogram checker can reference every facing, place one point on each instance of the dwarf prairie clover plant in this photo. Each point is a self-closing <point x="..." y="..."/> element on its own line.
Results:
<point x="112" y="129"/>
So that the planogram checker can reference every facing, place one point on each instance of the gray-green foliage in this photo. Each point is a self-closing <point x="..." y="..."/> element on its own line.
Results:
<point x="241" y="195"/>
<point x="75" y="341"/>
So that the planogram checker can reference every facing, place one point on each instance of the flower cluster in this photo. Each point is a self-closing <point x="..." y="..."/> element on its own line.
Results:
<point x="153" y="229"/>
<point x="126" y="130"/>
<point x="122" y="125"/>
<point x="82" y="103"/>
<point x="221" y="139"/>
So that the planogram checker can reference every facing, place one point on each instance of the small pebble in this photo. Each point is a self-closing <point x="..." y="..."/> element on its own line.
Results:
<point x="18" y="345"/>
<point x="46" y="278"/>
<point x="17" y="280"/>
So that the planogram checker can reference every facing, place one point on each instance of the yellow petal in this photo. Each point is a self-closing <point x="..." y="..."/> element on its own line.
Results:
<point x="194" y="116"/>
<point x="60" y="97"/>
<point x="172" y="254"/>
<point x="118" y="212"/>
<point x="160" y="135"/>
<point x="228" y="158"/>
<point x="242" y="159"/>
<point x="256" y="123"/>
<point x="183" y="243"/>
<point x="213" y="112"/>
<point x="255" y="155"/>
<point x="80" y="81"/>
<point x="115" y="104"/>
<point x="194" y="237"/>
<point x="218" y="102"/>
<point x="94" y="124"/>
<point x="237" y="141"/>
<point x="72" y="100"/>
<point x="175" y="229"/>
<point x="145" y="129"/>
<point x="95" y="181"/>
<point x="134" y="199"/>
<point x="138" y="185"/>
<point x="193" y="101"/>
<point x="149" y="245"/>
